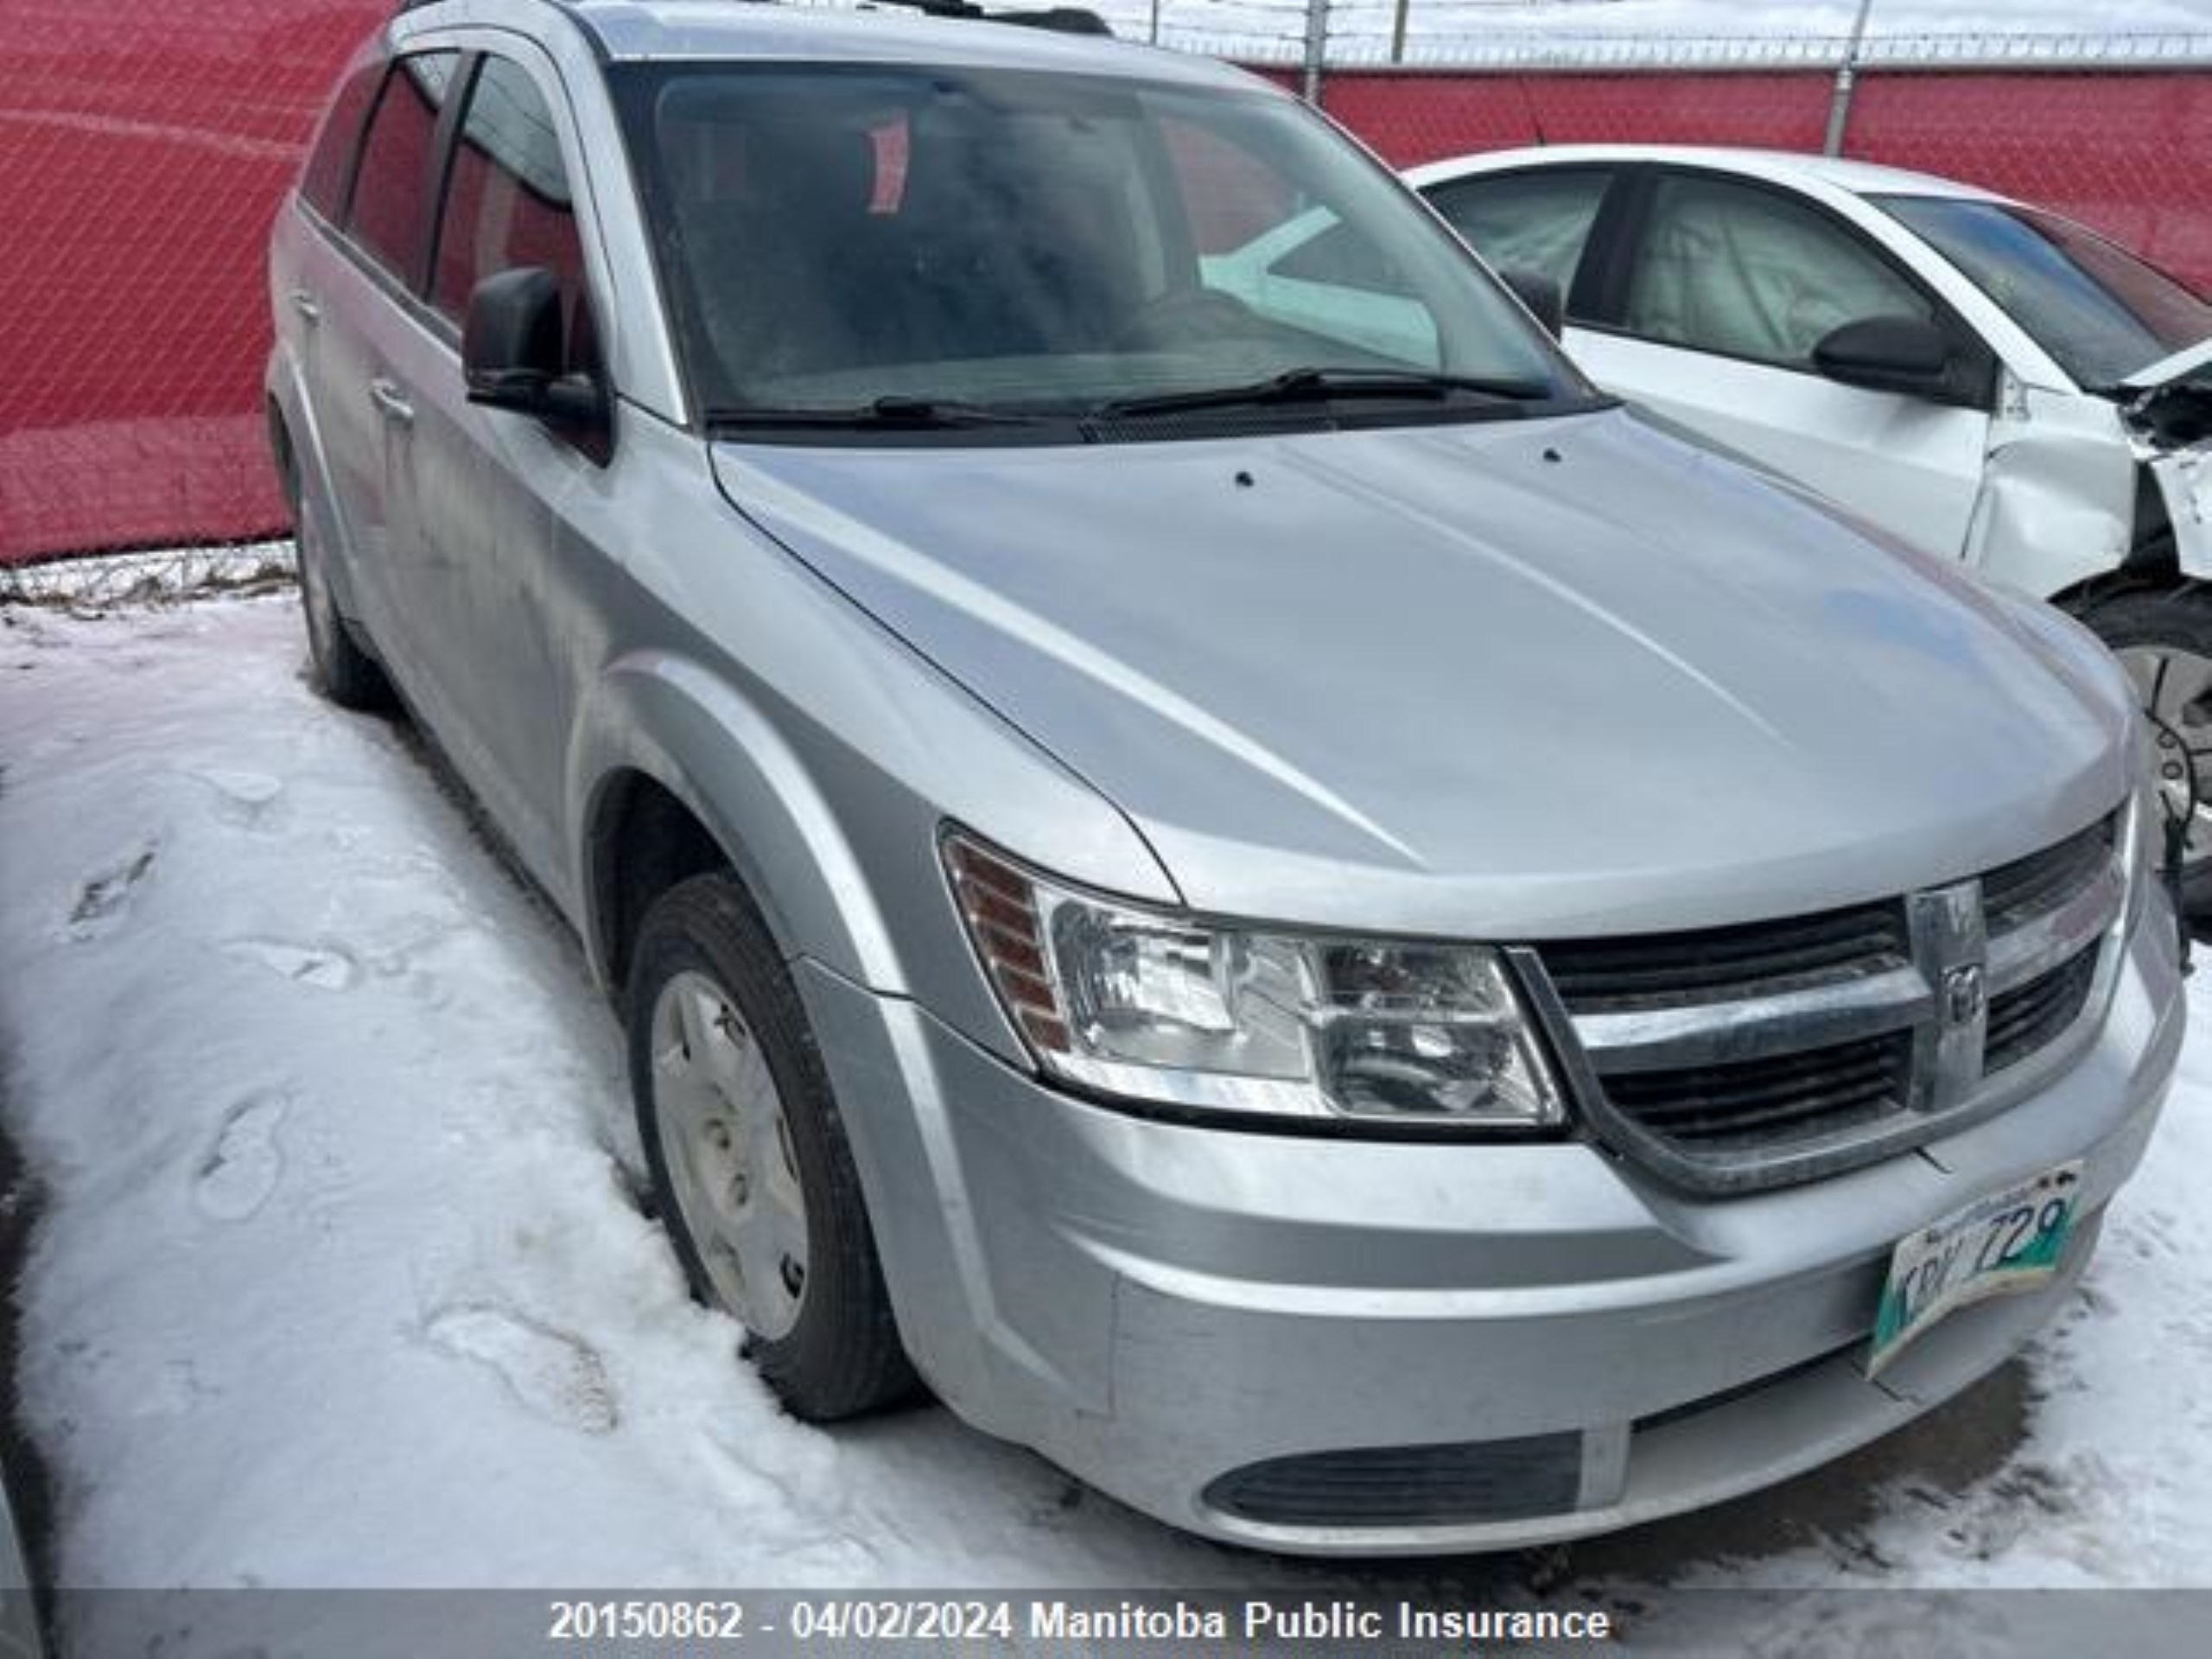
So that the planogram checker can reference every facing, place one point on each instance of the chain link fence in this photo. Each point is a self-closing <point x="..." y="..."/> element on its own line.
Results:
<point x="2127" y="150"/>
<point x="143" y="152"/>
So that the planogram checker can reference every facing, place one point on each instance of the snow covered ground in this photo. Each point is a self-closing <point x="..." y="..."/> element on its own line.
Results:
<point x="340" y="1277"/>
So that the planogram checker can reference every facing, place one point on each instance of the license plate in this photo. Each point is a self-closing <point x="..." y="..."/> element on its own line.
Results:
<point x="2009" y="1241"/>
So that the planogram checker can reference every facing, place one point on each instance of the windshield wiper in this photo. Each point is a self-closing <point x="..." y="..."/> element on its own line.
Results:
<point x="1318" y="385"/>
<point x="888" y="413"/>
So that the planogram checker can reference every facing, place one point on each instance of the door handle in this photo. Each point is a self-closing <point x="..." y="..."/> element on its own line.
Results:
<point x="391" y="403"/>
<point x="303" y="302"/>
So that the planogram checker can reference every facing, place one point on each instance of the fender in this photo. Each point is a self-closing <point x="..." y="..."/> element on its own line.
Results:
<point x="693" y="733"/>
<point x="715" y="747"/>
<point x="821" y="752"/>
<point x="834" y="830"/>
<point x="2057" y="501"/>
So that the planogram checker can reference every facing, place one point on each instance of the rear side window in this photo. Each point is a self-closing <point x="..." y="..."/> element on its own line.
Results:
<point x="507" y="200"/>
<point x="1747" y="272"/>
<point x="330" y="165"/>
<point x="1536" y="222"/>
<point x="386" y="219"/>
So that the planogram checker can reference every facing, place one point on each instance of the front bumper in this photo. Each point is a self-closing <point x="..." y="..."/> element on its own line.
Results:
<point x="1546" y="1341"/>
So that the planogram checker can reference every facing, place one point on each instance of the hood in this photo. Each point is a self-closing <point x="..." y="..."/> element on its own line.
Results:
<point x="2167" y="370"/>
<point x="1494" y="680"/>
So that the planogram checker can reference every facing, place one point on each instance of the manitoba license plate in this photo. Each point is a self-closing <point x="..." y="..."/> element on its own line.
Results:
<point x="2008" y="1241"/>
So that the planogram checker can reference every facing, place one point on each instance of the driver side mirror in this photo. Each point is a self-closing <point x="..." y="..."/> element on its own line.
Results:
<point x="1902" y="355"/>
<point x="512" y="352"/>
<point x="1543" y="296"/>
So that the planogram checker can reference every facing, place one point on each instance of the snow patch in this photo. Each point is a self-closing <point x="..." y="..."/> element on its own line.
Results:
<point x="326" y="967"/>
<point x="238" y="1173"/>
<point x="555" y="1375"/>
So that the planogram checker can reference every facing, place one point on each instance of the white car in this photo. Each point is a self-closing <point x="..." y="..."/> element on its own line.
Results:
<point x="1984" y="380"/>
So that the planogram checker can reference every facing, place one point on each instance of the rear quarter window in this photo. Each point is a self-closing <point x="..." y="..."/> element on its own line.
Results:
<point x="386" y="217"/>
<point x="330" y="164"/>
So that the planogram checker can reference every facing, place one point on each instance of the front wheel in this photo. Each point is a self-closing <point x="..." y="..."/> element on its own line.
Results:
<point x="748" y="1154"/>
<point x="2163" y="639"/>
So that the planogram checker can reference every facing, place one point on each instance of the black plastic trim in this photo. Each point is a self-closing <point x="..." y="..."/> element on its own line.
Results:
<point x="1453" y="1483"/>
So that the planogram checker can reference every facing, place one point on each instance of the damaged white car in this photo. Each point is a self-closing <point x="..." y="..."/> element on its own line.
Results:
<point x="1982" y="379"/>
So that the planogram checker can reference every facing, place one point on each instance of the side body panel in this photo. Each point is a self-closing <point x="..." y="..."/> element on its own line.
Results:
<point x="499" y="592"/>
<point x="1908" y="465"/>
<point x="352" y="434"/>
<point x="299" y="258"/>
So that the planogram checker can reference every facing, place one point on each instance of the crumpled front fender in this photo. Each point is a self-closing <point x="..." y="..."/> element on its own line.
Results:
<point x="2057" y="502"/>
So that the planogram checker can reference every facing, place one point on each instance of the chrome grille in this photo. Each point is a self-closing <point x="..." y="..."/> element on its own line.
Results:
<point x="2022" y="1022"/>
<point x="1608" y="976"/>
<point x="1749" y="1056"/>
<point x="1762" y="1102"/>
<point x="2018" y="892"/>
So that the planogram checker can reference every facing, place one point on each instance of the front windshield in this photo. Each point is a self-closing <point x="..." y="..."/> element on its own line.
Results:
<point x="1026" y="243"/>
<point x="2102" y="313"/>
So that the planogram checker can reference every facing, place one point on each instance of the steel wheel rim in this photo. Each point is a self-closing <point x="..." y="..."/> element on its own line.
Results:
<point x="725" y="1143"/>
<point x="2176" y="689"/>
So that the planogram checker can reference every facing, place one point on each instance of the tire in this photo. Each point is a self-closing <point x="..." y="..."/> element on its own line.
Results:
<point x="2163" y="637"/>
<point x="343" y="672"/>
<point x="733" y="1099"/>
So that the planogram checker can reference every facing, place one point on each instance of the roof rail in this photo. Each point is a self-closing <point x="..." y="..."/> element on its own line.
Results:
<point x="1061" y="19"/>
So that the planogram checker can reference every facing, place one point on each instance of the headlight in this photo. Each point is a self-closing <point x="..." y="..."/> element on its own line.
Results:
<point x="1152" y="1005"/>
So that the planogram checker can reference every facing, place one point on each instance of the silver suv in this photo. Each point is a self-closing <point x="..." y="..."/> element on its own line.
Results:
<point x="1320" y="924"/>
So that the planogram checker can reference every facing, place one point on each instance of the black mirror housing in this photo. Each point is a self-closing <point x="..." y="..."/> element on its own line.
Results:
<point x="513" y="351"/>
<point x="1542" y="295"/>
<point x="511" y="343"/>
<point x="1909" y="355"/>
